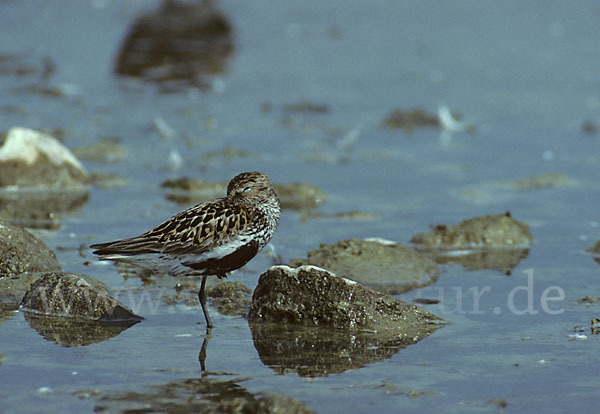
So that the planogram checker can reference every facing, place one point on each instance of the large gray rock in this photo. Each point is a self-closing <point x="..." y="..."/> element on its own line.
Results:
<point x="68" y="295"/>
<point x="312" y="296"/>
<point x="385" y="266"/>
<point x="30" y="158"/>
<point x="22" y="257"/>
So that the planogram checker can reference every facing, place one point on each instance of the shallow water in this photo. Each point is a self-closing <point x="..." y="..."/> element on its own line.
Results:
<point x="524" y="74"/>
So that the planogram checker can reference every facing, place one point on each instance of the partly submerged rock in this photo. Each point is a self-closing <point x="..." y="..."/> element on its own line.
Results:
<point x="595" y="248"/>
<point x="318" y="352"/>
<point x="75" y="296"/>
<point x="312" y="296"/>
<point x="294" y="196"/>
<point x="198" y="395"/>
<point x="187" y="190"/>
<point x="548" y="180"/>
<point x="499" y="230"/>
<point x="506" y="191"/>
<point x="487" y="242"/>
<point x="178" y="46"/>
<point x="230" y="298"/>
<point x="386" y="266"/>
<point x="22" y="252"/>
<point x="40" y="209"/>
<point x="29" y="158"/>
<point x="299" y="196"/>
<point x="105" y="149"/>
<point x="410" y="119"/>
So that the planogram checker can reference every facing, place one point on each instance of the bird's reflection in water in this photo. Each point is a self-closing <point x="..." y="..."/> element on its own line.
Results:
<point x="202" y="353"/>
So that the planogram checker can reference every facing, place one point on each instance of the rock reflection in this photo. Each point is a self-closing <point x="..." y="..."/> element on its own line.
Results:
<point x="318" y="352"/>
<point x="177" y="45"/>
<point x="198" y="395"/>
<point x="70" y="332"/>
<point x="40" y="209"/>
<point x="7" y="311"/>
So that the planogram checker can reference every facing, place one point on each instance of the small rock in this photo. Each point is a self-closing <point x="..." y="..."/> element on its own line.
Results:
<point x="589" y="127"/>
<point x="299" y="196"/>
<point x="29" y="158"/>
<point x="230" y="298"/>
<point x="106" y="149"/>
<point x="78" y="296"/>
<point x="22" y="252"/>
<point x="595" y="248"/>
<point x="40" y="209"/>
<point x="307" y="107"/>
<point x="294" y="196"/>
<point x="589" y="299"/>
<point x="500" y="230"/>
<point x="496" y="242"/>
<point x="549" y="180"/>
<point x="312" y="296"/>
<point x="178" y="46"/>
<point x="388" y="267"/>
<point x="410" y="120"/>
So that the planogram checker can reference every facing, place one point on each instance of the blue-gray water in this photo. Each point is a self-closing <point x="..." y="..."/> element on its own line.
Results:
<point x="524" y="73"/>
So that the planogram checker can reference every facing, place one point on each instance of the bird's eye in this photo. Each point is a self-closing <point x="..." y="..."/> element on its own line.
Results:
<point x="247" y="189"/>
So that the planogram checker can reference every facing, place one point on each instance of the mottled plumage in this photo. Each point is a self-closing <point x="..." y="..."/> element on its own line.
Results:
<point x="211" y="238"/>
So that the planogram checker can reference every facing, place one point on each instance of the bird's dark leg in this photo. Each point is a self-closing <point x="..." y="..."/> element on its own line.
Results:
<point x="202" y="298"/>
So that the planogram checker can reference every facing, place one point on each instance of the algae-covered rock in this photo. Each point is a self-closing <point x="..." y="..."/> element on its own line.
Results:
<point x="595" y="248"/>
<point x="293" y="196"/>
<point x="29" y="158"/>
<point x="299" y="196"/>
<point x="317" y="352"/>
<point x="410" y="119"/>
<point x="488" y="242"/>
<point x="500" y="230"/>
<point x="40" y="209"/>
<point x="177" y="46"/>
<point x="548" y="180"/>
<point x="385" y="266"/>
<point x="106" y="149"/>
<point x="198" y="395"/>
<point x="75" y="296"/>
<point x="22" y="252"/>
<point x="75" y="331"/>
<point x="230" y="298"/>
<point x="312" y="296"/>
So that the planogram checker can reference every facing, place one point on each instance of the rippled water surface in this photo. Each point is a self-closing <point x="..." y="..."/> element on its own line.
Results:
<point x="299" y="90"/>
